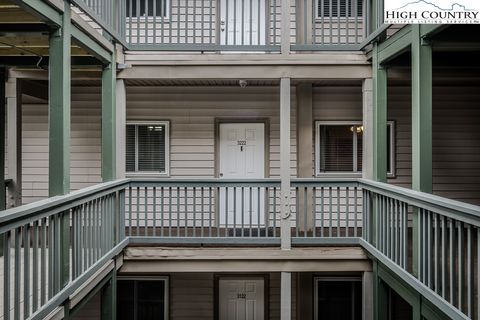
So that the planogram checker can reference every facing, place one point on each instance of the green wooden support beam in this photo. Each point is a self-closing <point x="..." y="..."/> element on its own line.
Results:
<point x="380" y="119"/>
<point x="3" y="105"/>
<point x="89" y="44"/>
<point x="42" y="10"/>
<point x="421" y="126"/>
<point x="380" y="294"/>
<point x="59" y="109"/>
<point x="109" y="76"/>
<point x="59" y="134"/>
<point x="394" y="46"/>
<point x="109" y="298"/>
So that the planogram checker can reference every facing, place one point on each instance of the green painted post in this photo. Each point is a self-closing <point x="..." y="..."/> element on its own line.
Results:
<point x="3" y="102"/>
<point x="421" y="126"/>
<point x="59" y="109"/>
<point x="59" y="132"/>
<point x="380" y="295"/>
<point x="109" y="76"/>
<point x="380" y="119"/>
<point x="109" y="298"/>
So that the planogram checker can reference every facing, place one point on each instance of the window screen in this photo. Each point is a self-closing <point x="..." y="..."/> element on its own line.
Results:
<point x="141" y="299"/>
<point x="338" y="299"/>
<point x="146" y="148"/>
<point x="340" y="8"/>
<point x="146" y="8"/>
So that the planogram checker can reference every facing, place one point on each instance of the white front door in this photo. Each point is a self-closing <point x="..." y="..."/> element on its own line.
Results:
<point x="242" y="156"/>
<point x="242" y="22"/>
<point x="241" y="299"/>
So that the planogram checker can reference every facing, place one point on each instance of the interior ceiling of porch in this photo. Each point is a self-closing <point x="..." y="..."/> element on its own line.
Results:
<point x="449" y="68"/>
<point x="24" y="40"/>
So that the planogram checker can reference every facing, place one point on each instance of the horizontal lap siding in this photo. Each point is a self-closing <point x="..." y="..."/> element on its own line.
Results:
<point x="339" y="103"/>
<point x="85" y="143"/>
<point x="192" y="112"/>
<point x="456" y="143"/>
<point x="192" y="296"/>
<point x="456" y="140"/>
<point x="399" y="111"/>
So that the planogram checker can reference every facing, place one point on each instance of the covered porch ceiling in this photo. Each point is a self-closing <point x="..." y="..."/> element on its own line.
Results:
<point x="24" y="40"/>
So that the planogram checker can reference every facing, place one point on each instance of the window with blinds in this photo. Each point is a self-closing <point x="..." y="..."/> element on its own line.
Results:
<point x="147" y="147"/>
<point x="339" y="8"/>
<point x="146" y="8"/>
<point x="340" y="147"/>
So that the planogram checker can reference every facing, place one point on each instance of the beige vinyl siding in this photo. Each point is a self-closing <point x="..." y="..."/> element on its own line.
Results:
<point x="456" y="140"/>
<point x="400" y="111"/>
<point x="85" y="143"/>
<point x="192" y="112"/>
<point x="335" y="103"/>
<point x="192" y="296"/>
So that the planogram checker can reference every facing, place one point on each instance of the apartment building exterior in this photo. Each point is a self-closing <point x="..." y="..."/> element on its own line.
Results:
<point x="237" y="159"/>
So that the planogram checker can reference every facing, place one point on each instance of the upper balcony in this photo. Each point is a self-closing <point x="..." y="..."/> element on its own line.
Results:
<point x="233" y="25"/>
<point x="243" y="25"/>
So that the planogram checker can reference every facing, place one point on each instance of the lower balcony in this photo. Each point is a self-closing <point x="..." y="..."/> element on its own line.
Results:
<point x="52" y="247"/>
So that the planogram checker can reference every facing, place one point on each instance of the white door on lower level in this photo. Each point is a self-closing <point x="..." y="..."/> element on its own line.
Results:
<point x="241" y="299"/>
<point x="242" y="156"/>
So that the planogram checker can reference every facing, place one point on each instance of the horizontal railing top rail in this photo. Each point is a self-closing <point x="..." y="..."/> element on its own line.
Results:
<point x="458" y="210"/>
<point x="465" y="212"/>
<point x="14" y="217"/>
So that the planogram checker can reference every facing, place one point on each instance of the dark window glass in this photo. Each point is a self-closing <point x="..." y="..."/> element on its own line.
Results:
<point x="151" y="300"/>
<point x="339" y="300"/>
<point x="340" y="8"/>
<point x="126" y="299"/>
<point x="359" y="150"/>
<point x="146" y="148"/>
<point x="146" y="8"/>
<point x="151" y="148"/>
<point x="336" y="148"/>
<point x="130" y="146"/>
<point x="389" y="147"/>
<point x="141" y="300"/>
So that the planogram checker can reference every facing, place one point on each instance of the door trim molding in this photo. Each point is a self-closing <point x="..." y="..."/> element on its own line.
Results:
<point x="266" y="127"/>
<point x="266" y="289"/>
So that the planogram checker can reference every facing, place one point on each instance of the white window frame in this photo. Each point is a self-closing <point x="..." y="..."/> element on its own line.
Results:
<point x="318" y="173"/>
<point x="153" y="278"/>
<point x="146" y="18"/>
<point x="324" y="279"/>
<point x="167" y="149"/>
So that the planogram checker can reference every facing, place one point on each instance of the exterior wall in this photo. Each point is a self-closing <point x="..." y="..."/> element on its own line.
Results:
<point x="85" y="143"/>
<point x="191" y="297"/>
<point x="192" y="112"/>
<point x="335" y="103"/>
<point x="456" y="140"/>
